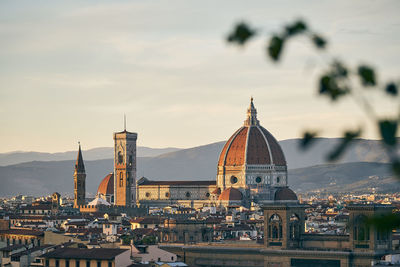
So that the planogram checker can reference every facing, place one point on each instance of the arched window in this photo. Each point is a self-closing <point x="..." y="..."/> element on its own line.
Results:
<point x="275" y="227"/>
<point x="361" y="230"/>
<point x="120" y="157"/>
<point x="278" y="179"/>
<point x="294" y="227"/>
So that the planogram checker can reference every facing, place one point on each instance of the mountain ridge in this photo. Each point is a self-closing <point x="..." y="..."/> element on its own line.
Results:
<point x="197" y="163"/>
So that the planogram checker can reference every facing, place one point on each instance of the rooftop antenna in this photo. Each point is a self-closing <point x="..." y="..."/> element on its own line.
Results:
<point x="124" y="122"/>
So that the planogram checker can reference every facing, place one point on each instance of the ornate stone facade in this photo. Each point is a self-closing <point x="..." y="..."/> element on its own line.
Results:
<point x="125" y="168"/>
<point x="163" y="193"/>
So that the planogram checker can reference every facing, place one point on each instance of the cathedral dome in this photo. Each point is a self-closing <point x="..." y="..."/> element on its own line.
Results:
<point x="285" y="194"/>
<point x="230" y="194"/>
<point x="106" y="186"/>
<point x="252" y="144"/>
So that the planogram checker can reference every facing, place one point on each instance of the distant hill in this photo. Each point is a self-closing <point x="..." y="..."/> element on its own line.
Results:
<point x="346" y="177"/>
<point x="37" y="178"/>
<point x="16" y="157"/>
<point x="42" y="177"/>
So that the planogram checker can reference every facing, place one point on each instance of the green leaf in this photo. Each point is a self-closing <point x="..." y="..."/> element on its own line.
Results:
<point x="339" y="70"/>
<point x="329" y="85"/>
<point x="307" y="140"/>
<point x="275" y="47"/>
<point x="241" y="34"/>
<point x="385" y="222"/>
<point x="367" y="75"/>
<point x="318" y="41"/>
<point x="396" y="167"/>
<point x="295" y="28"/>
<point x="348" y="137"/>
<point x="388" y="129"/>
<point x="391" y="89"/>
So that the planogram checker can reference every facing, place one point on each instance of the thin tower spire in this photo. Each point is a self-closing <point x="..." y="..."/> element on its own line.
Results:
<point x="124" y="122"/>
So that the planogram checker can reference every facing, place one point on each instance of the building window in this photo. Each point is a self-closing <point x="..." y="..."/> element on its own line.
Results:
<point x="234" y="179"/>
<point x="275" y="227"/>
<point x="87" y="263"/>
<point x="361" y="230"/>
<point x="294" y="227"/>
<point x="77" y="263"/>
<point x="207" y="194"/>
<point x="57" y="263"/>
<point x="66" y="263"/>
<point x="258" y="180"/>
<point x="120" y="157"/>
<point x="148" y="194"/>
<point x="166" y="194"/>
<point x="47" y="263"/>
<point x="98" y="263"/>
<point x="121" y="179"/>
<point x="278" y="179"/>
<point x="187" y="194"/>
<point x="130" y="160"/>
<point x="110" y="264"/>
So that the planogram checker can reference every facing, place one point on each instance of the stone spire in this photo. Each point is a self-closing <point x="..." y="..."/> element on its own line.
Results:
<point x="79" y="166"/>
<point x="251" y="115"/>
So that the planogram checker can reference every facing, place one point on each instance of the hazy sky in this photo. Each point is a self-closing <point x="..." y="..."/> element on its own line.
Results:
<point x="69" y="70"/>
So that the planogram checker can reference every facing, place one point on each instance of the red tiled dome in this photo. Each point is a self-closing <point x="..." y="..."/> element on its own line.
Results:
<point x="106" y="186"/>
<point x="285" y="194"/>
<point x="230" y="194"/>
<point x="251" y="144"/>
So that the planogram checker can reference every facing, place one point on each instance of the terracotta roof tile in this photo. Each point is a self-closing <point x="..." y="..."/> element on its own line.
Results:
<point x="230" y="194"/>
<point x="235" y="153"/>
<point x="78" y="253"/>
<point x="276" y="150"/>
<point x="257" y="149"/>
<point x="285" y="194"/>
<point x="106" y="186"/>
<point x="149" y="182"/>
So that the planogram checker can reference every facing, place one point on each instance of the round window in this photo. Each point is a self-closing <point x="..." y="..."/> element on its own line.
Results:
<point x="258" y="180"/>
<point x="207" y="194"/>
<point x="147" y="194"/>
<point x="166" y="194"/>
<point x="187" y="194"/>
<point x="234" y="180"/>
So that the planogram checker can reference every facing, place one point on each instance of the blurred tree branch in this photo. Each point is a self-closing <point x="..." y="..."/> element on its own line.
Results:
<point x="334" y="83"/>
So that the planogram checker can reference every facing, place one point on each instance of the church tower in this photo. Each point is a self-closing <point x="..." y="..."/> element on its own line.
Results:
<point x="79" y="181"/>
<point x="125" y="168"/>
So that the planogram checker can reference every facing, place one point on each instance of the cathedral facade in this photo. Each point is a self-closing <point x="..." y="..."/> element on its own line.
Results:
<point x="251" y="168"/>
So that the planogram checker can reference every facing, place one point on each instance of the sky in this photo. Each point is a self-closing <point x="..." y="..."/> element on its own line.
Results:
<point x="70" y="70"/>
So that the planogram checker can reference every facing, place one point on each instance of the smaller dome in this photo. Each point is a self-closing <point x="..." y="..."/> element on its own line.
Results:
<point x="285" y="194"/>
<point x="230" y="194"/>
<point x="106" y="186"/>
